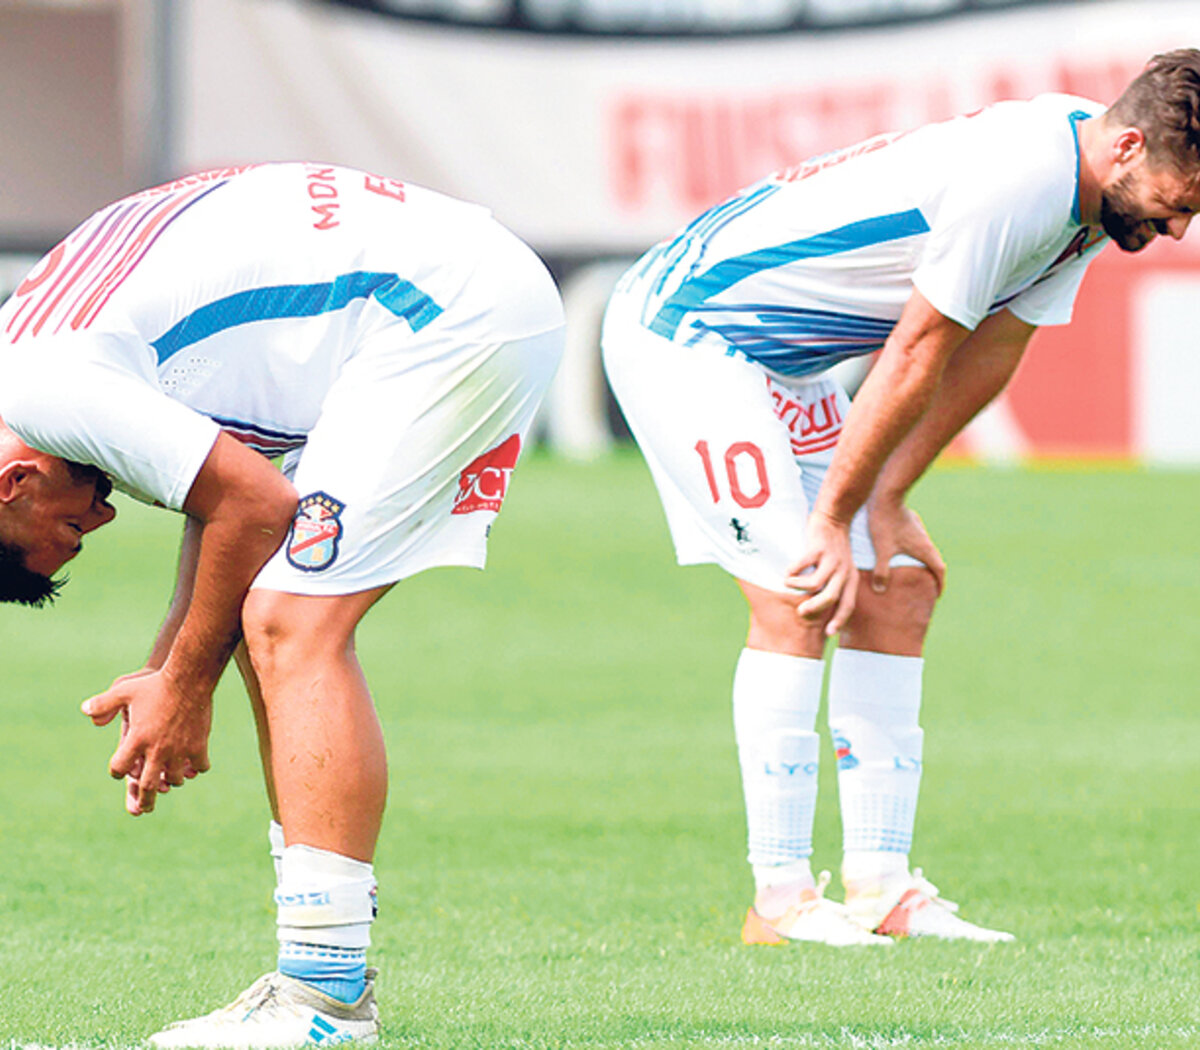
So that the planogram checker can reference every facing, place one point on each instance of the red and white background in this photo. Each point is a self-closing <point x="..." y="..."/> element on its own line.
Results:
<point x="593" y="144"/>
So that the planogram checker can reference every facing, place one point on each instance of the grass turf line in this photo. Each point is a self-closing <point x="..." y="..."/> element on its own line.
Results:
<point x="562" y="855"/>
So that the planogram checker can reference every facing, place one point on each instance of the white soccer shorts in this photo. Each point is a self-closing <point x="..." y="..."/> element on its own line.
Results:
<point x="412" y="455"/>
<point x="738" y="453"/>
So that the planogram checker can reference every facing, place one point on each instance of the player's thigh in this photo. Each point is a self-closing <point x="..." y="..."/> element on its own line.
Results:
<point x="719" y="456"/>
<point x="302" y="623"/>
<point x="410" y="461"/>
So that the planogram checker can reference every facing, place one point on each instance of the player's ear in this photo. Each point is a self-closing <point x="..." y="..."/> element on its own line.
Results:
<point x="1129" y="144"/>
<point x="15" y="476"/>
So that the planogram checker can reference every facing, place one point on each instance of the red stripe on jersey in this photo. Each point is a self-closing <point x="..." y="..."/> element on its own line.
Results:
<point x="77" y="266"/>
<point x="133" y="255"/>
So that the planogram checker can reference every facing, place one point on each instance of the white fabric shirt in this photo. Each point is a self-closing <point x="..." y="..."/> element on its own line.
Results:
<point x="814" y="264"/>
<point x="230" y="300"/>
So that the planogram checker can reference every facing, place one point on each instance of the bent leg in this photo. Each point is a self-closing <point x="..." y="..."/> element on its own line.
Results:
<point x="326" y="773"/>
<point x="776" y="694"/>
<point x="254" y="691"/>
<point x="323" y="742"/>
<point x="874" y="709"/>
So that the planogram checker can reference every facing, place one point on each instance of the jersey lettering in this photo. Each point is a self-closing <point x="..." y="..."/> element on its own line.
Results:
<point x="322" y="188"/>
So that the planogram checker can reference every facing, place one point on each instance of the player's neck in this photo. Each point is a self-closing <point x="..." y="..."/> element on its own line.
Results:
<point x="1094" y="161"/>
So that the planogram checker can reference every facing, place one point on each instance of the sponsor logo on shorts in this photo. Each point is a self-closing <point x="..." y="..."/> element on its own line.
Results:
<point x="483" y="484"/>
<point x="813" y="426"/>
<point x="741" y="536"/>
<point x="316" y="530"/>
<point x="841" y="748"/>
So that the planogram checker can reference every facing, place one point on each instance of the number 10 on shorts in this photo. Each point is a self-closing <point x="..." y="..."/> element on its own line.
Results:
<point x="746" y="453"/>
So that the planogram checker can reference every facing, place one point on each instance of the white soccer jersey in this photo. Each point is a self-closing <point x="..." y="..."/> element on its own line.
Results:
<point x="814" y="264"/>
<point x="231" y="300"/>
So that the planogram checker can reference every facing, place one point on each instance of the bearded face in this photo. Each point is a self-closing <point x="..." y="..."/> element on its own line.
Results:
<point x="1123" y="217"/>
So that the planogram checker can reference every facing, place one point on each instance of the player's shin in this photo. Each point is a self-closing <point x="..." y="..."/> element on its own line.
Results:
<point x="874" y="704"/>
<point x="326" y="903"/>
<point x="775" y="701"/>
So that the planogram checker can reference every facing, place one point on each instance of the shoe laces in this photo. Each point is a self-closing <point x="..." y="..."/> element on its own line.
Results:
<point x="259" y="995"/>
<point x="819" y="900"/>
<point x="929" y="890"/>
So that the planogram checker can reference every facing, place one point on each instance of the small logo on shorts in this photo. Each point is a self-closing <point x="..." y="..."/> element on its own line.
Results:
<point x="741" y="532"/>
<point x="483" y="484"/>
<point x="316" y="530"/>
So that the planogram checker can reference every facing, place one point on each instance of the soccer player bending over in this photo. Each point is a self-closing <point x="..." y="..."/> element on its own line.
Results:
<point x="944" y="249"/>
<point x="392" y="345"/>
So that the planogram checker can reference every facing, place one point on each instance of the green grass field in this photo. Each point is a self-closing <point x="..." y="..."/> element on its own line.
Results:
<point x="562" y="861"/>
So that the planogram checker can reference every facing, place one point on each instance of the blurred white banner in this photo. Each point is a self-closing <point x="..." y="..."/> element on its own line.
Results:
<point x="606" y="145"/>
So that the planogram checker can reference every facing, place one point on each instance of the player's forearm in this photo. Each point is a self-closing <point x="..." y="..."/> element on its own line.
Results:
<point x="242" y="506"/>
<point x="887" y="407"/>
<point x="230" y="552"/>
<point x="185" y="580"/>
<point x="896" y="394"/>
<point x="976" y="373"/>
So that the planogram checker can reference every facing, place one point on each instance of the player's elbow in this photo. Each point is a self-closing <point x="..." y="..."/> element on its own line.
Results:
<point x="274" y="507"/>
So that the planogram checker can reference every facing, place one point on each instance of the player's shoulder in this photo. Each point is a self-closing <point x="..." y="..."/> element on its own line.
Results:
<point x="1021" y="154"/>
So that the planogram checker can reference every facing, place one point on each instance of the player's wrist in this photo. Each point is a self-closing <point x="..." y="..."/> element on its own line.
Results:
<point x="834" y="517"/>
<point x="192" y="681"/>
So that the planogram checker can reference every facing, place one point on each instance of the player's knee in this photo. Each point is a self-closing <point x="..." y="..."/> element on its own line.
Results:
<point x="776" y="627"/>
<point x="896" y="619"/>
<point x="279" y="628"/>
<point x="911" y="594"/>
<point x="920" y="592"/>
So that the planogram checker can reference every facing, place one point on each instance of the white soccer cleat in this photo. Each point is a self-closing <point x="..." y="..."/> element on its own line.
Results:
<point x="909" y="905"/>
<point x="278" y="1011"/>
<point x="814" y="919"/>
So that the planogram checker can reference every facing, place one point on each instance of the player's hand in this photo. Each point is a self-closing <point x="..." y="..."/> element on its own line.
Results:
<point x="131" y="778"/>
<point x="826" y="572"/>
<point x="896" y="529"/>
<point x="164" y="737"/>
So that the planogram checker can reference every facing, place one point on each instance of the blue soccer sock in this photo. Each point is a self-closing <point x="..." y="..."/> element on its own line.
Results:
<point x="340" y="973"/>
<point x="326" y="903"/>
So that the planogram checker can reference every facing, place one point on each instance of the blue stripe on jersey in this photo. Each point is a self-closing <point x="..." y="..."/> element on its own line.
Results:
<point x="275" y="302"/>
<point x="694" y="292"/>
<point x="670" y="253"/>
<point x="796" y="341"/>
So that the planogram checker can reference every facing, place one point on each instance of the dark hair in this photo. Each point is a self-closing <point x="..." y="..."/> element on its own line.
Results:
<point x="1163" y="102"/>
<point x="19" y="584"/>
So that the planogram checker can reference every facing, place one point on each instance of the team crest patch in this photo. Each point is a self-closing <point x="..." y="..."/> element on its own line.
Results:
<point x="316" y="530"/>
<point x="845" y="758"/>
<point x="483" y="484"/>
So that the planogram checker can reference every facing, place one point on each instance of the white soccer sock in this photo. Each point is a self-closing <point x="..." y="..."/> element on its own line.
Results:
<point x="874" y="704"/>
<point x="775" y="701"/>
<point x="275" y="838"/>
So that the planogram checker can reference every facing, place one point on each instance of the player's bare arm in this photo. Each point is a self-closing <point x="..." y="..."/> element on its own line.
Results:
<point x="185" y="578"/>
<point x="975" y="374"/>
<point x="181" y="597"/>
<point x="243" y="506"/>
<point x="896" y="394"/>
